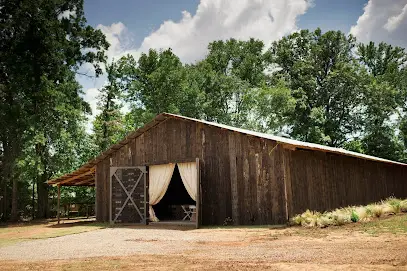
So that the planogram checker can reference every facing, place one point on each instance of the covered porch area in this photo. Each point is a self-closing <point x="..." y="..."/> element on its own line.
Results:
<point x="84" y="176"/>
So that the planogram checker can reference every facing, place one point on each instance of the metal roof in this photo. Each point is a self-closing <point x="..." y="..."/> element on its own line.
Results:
<point x="78" y="177"/>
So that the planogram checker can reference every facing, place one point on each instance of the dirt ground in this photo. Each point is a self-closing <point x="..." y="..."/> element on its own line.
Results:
<point x="380" y="245"/>
<point x="16" y="233"/>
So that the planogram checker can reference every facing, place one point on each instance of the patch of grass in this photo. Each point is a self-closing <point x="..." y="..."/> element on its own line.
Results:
<point x="395" y="224"/>
<point x="23" y="232"/>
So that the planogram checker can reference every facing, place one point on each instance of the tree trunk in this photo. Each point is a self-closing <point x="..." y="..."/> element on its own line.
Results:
<point x="14" y="201"/>
<point x="33" y="201"/>
<point x="42" y="198"/>
<point x="10" y="149"/>
<point x="4" y="209"/>
<point x="42" y="187"/>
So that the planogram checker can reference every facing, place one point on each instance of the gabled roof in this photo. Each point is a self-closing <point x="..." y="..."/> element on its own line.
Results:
<point x="78" y="177"/>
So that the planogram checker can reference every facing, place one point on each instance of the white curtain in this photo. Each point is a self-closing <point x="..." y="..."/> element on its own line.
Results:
<point x="159" y="179"/>
<point x="189" y="177"/>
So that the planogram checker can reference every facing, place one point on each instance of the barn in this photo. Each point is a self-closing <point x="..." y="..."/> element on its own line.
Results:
<point x="178" y="168"/>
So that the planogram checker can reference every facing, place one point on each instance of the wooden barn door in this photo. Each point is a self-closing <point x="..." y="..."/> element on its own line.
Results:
<point x="128" y="195"/>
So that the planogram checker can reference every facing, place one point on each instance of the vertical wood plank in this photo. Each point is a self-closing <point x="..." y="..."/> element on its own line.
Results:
<point x="287" y="184"/>
<point x="233" y="179"/>
<point x="259" y="184"/>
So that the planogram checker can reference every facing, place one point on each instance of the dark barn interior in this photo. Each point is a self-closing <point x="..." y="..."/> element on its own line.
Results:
<point x="169" y="207"/>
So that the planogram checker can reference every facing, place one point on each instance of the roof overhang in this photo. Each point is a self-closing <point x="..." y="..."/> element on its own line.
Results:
<point x="80" y="177"/>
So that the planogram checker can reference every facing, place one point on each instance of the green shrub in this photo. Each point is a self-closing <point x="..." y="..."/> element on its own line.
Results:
<point x="354" y="217"/>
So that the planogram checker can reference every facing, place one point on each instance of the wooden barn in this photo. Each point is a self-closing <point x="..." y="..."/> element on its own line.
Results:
<point x="179" y="168"/>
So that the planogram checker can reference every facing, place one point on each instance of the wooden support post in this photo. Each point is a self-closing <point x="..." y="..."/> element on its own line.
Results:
<point x="59" y="201"/>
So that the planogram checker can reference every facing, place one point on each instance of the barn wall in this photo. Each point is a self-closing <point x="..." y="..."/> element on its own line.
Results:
<point x="249" y="180"/>
<point x="325" y="181"/>
<point x="242" y="177"/>
<point x="170" y="141"/>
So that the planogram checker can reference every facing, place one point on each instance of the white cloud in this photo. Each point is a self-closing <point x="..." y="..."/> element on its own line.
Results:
<point x="90" y="96"/>
<point x="266" y="20"/>
<point x="121" y="44"/>
<point x="383" y="21"/>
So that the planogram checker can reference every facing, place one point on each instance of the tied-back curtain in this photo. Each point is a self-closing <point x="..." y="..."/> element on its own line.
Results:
<point x="189" y="177"/>
<point x="159" y="179"/>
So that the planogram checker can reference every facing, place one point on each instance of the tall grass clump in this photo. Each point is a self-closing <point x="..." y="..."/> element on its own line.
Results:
<point x="393" y="205"/>
<point x="403" y="205"/>
<point x="306" y="219"/>
<point x="375" y="210"/>
<point x="350" y="214"/>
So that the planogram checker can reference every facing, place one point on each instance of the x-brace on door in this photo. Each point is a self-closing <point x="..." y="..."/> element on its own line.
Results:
<point x="128" y="195"/>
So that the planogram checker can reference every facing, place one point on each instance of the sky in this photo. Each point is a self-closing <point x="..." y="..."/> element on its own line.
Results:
<point x="187" y="26"/>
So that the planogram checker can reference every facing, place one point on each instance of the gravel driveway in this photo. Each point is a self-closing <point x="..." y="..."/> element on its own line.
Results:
<point x="112" y="242"/>
<point x="271" y="245"/>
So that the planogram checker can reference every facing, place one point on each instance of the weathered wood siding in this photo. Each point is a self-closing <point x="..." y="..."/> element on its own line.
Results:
<point x="242" y="177"/>
<point x="325" y="181"/>
<point x="249" y="180"/>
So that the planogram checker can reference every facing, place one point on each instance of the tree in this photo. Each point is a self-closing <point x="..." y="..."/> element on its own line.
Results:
<point x="154" y="84"/>
<point x="272" y="108"/>
<point x="242" y="59"/>
<point x="326" y="82"/>
<point x="385" y="100"/>
<point x="158" y="82"/>
<point x="42" y="44"/>
<point x="108" y="125"/>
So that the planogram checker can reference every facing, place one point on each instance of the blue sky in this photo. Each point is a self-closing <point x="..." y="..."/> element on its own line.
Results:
<point x="346" y="13"/>
<point x="142" y="17"/>
<point x="187" y="26"/>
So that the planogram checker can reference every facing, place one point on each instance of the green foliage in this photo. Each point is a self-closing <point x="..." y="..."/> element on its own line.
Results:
<point x="40" y="104"/>
<point x="327" y="84"/>
<point x="319" y="87"/>
<point x="354" y="217"/>
<point x="273" y="107"/>
<point x="108" y="126"/>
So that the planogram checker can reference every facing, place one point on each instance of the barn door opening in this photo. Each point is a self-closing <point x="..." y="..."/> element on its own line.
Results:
<point x="176" y="204"/>
<point x="174" y="193"/>
<point x="128" y="195"/>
